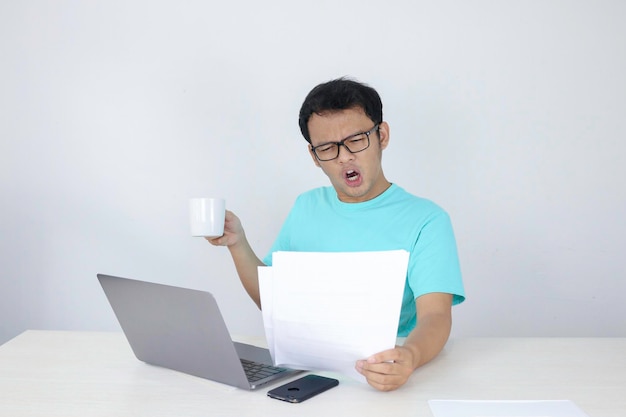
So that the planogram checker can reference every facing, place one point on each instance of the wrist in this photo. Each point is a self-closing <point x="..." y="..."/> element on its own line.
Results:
<point x="415" y="353"/>
<point x="238" y="242"/>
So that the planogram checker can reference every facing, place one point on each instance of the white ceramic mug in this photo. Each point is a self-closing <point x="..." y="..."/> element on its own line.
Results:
<point x="206" y="216"/>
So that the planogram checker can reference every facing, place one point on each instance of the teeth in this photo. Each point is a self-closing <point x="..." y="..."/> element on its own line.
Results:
<point x="351" y="175"/>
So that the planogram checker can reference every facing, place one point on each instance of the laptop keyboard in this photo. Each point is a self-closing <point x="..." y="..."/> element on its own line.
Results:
<point x="256" y="371"/>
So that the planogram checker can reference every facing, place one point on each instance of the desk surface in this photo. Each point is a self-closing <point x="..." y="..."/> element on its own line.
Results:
<point x="50" y="373"/>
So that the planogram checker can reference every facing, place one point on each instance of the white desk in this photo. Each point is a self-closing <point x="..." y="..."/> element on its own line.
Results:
<point x="46" y="373"/>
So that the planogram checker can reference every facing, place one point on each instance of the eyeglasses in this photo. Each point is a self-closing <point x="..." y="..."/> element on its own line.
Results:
<point x="354" y="143"/>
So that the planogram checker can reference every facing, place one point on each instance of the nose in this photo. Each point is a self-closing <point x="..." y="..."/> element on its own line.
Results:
<point x="344" y="154"/>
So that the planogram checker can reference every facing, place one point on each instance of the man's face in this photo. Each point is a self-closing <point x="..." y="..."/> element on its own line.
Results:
<point x="356" y="177"/>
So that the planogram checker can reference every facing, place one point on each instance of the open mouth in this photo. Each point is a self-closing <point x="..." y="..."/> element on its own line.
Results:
<point x="352" y="175"/>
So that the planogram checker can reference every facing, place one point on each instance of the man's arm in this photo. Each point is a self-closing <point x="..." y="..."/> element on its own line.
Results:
<point x="246" y="261"/>
<point x="391" y="369"/>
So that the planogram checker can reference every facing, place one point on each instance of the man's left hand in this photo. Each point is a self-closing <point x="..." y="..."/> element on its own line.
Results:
<point x="390" y="369"/>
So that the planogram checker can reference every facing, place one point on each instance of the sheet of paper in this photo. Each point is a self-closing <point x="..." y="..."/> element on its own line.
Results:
<point x="330" y="309"/>
<point x="556" y="408"/>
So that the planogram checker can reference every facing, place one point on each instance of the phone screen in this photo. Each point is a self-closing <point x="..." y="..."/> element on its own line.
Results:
<point x="303" y="388"/>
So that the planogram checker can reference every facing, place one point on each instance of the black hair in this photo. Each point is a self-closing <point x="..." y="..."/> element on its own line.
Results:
<point x="340" y="94"/>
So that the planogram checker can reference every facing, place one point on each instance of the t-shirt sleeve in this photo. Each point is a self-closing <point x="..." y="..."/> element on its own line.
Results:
<point x="434" y="262"/>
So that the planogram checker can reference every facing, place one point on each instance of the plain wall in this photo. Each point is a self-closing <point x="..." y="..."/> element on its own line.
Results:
<point x="509" y="114"/>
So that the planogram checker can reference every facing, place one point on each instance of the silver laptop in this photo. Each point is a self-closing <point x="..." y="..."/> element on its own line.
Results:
<point x="183" y="329"/>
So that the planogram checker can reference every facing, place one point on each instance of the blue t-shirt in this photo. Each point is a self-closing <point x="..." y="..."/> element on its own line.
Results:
<point x="320" y="222"/>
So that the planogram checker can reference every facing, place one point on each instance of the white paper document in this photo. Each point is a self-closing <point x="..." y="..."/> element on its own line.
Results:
<point x="556" y="408"/>
<point x="325" y="311"/>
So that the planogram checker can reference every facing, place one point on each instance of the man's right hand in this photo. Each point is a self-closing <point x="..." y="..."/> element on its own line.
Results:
<point x="233" y="232"/>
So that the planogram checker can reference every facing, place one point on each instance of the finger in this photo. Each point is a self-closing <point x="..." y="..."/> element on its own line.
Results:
<point x="391" y="355"/>
<point x="384" y="367"/>
<point x="399" y="355"/>
<point x="384" y="387"/>
<point x="216" y="241"/>
<point x="386" y="372"/>
<point x="383" y="382"/>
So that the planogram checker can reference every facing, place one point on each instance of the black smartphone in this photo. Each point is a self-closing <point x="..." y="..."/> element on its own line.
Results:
<point x="303" y="388"/>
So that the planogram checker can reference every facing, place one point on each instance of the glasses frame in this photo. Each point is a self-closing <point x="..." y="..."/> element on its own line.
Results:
<point x="342" y="143"/>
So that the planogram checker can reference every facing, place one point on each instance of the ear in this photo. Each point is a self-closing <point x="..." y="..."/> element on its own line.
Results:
<point x="315" y="160"/>
<point x="383" y="133"/>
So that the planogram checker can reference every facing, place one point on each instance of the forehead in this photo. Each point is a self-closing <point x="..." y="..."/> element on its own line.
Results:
<point x="330" y="126"/>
